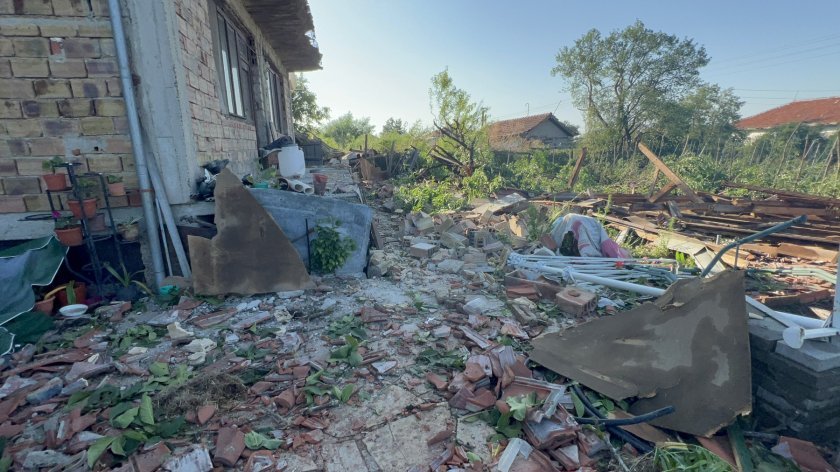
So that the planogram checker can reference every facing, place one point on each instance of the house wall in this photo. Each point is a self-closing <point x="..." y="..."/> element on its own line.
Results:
<point x="216" y="134"/>
<point x="550" y="134"/>
<point x="60" y="95"/>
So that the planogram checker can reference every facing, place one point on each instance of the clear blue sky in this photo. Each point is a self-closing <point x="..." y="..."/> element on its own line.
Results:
<point x="379" y="56"/>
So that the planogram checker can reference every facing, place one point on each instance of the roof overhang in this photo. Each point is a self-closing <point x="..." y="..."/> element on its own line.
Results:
<point x="288" y="26"/>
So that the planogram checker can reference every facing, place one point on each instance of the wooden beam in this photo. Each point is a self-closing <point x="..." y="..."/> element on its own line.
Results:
<point x="576" y="171"/>
<point x="653" y="184"/>
<point x="672" y="176"/>
<point x="662" y="193"/>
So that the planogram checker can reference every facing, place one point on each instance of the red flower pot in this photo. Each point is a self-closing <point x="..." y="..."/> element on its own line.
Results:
<point x="70" y="236"/>
<point x="89" y="205"/>
<point x="45" y="306"/>
<point x="116" y="189"/>
<point x="79" y="288"/>
<point x="55" y="182"/>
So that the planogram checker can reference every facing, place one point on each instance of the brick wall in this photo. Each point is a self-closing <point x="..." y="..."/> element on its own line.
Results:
<point x="60" y="95"/>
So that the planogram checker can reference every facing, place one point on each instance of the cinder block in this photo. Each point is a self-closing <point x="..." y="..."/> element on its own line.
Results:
<point x="21" y="185"/>
<point x="68" y="69"/>
<point x="422" y="250"/>
<point x="80" y="48"/>
<point x="39" y="108"/>
<point x="96" y="125"/>
<point x="22" y="128"/>
<point x="16" y="88"/>
<point x="109" y="107"/>
<point x="12" y="204"/>
<point x="75" y="107"/>
<point x="29" y="67"/>
<point x="10" y="109"/>
<point x="61" y="127"/>
<point x="31" y="47"/>
<point x="91" y="88"/>
<point x="19" y="29"/>
<point x="52" y="89"/>
<point x="453" y="240"/>
<point x="45" y="147"/>
<point x="102" y="67"/>
<point x="70" y="7"/>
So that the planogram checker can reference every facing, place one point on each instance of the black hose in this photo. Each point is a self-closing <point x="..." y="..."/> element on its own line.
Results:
<point x="639" y="444"/>
<point x="628" y="421"/>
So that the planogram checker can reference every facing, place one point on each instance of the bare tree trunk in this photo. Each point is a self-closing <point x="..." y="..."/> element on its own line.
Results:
<point x="828" y="158"/>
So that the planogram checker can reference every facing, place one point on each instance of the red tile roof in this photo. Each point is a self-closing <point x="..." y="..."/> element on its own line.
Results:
<point x="824" y="111"/>
<point x="518" y="126"/>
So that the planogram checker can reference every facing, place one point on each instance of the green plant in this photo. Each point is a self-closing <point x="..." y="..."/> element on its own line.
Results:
<point x="348" y="324"/>
<point x="330" y="249"/>
<point x="429" y="196"/>
<point x="51" y="164"/>
<point x="129" y="221"/>
<point x="675" y="457"/>
<point x="87" y="188"/>
<point x="70" y="290"/>
<point x="520" y="405"/>
<point x="126" y="279"/>
<point x="255" y="440"/>
<point x="66" y="222"/>
<point x="343" y="394"/>
<point x="348" y="353"/>
<point x="114" y="179"/>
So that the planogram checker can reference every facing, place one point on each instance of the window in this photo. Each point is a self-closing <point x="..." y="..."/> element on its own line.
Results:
<point x="276" y="97"/>
<point x="235" y="63"/>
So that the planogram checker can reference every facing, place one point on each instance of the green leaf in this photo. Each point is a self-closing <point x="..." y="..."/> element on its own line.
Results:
<point x="117" y="446"/>
<point x="473" y="457"/>
<point x="580" y="410"/>
<point x="271" y="444"/>
<point x="519" y="405"/>
<point x="122" y="421"/>
<point x="355" y="359"/>
<point x="147" y="416"/>
<point x="96" y="449"/>
<point x="167" y="429"/>
<point x="159" y="369"/>
<point x="347" y="392"/>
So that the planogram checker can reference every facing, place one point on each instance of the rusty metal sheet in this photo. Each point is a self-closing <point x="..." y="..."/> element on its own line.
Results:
<point x="689" y="349"/>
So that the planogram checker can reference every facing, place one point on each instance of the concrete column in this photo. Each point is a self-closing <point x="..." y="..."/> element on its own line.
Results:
<point x="162" y="94"/>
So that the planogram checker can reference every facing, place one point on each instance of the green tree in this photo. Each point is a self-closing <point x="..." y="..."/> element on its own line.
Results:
<point x="624" y="81"/>
<point x="305" y="110"/>
<point x="461" y="124"/>
<point x="344" y="129"/>
<point x="393" y="125"/>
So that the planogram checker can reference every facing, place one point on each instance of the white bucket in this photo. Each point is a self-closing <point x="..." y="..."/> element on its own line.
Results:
<point x="290" y="161"/>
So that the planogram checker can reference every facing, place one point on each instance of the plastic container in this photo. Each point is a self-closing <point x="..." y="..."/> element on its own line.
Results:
<point x="290" y="161"/>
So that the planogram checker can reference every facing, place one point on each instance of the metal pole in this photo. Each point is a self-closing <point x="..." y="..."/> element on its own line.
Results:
<point x="137" y="141"/>
<point x="835" y="315"/>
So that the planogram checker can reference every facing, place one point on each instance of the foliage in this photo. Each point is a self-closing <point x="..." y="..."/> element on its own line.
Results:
<point x="347" y="353"/>
<point x="673" y="457"/>
<point x="330" y="249"/>
<point x="478" y="185"/>
<point x="140" y="335"/>
<point x="625" y="81"/>
<point x="344" y="129"/>
<point x="393" y="125"/>
<point x="447" y="360"/>
<point x="538" y="220"/>
<point x="64" y="222"/>
<point x="70" y="291"/>
<point x="50" y="165"/>
<point x="114" y="179"/>
<point x="348" y="324"/>
<point x="255" y="441"/>
<point x="520" y="405"/>
<point x="343" y="394"/>
<point x="429" y="196"/>
<point x="306" y="113"/>
<point x="125" y="278"/>
<point x="462" y="143"/>
<point x="87" y="187"/>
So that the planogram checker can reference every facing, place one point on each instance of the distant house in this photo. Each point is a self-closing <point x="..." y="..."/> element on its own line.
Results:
<point x="823" y="113"/>
<point x="543" y="130"/>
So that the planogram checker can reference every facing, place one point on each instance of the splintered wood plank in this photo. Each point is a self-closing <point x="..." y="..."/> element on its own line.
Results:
<point x="576" y="171"/>
<point x="662" y="193"/>
<point x="672" y="176"/>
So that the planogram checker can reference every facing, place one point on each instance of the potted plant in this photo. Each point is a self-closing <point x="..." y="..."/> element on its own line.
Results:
<point x="129" y="287"/>
<point x="54" y="182"/>
<point x="129" y="229"/>
<point x="46" y="304"/>
<point x="96" y="223"/>
<point x="71" y="293"/>
<point x="87" y="192"/>
<point x="116" y="187"/>
<point x="67" y="230"/>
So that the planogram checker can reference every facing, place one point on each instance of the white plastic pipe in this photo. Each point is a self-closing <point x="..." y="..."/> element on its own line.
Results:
<point x="300" y="187"/>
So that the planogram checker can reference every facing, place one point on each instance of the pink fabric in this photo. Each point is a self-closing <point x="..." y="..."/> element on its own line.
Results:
<point x="610" y="248"/>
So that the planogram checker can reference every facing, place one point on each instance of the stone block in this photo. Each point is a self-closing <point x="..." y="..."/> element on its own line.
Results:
<point x="117" y="144"/>
<point x="91" y="88"/>
<point x="46" y="147"/>
<point x="100" y="8"/>
<point x="34" y="7"/>
<point x="105" y="163"/>
<point x="422" y="250"/>
<point x="65" y="30"/>
<point x="21" y="185"/>
<point x="817" y="356"/>
<point x="29" y="67"/>
<point x="453" y="240"/>
<point x="10" y="109"/>
<point x="22" y="128"/>
<point x="36" y="202"/>
<point x="114" y="87"/>
<point x="96" y="125"/>
<point x="39" y="109"/>
<point x="5" y="68"/>
<point x="52" y="89"/>
<point x="107" y="47"/>
<point x="7" y="167"/>
<point x="60" y="127"/>
<point x="80" y="48"/>
<point x="19" y="29"/>
<point x="68" y="69"/>
<point x="75" y="108"/>
<point x="31" y="47"/>
<point x="30" y="166"/>
<point x="7" y="48"/>
<point x="98" y="29"/>
<point x="13" y="204"/>
<point x="70" y="7"/>
<point x="102" y="67"/>
<point x="17" y="147"/>
<point x="16" y="88"/>
<point x="109" y="107"/>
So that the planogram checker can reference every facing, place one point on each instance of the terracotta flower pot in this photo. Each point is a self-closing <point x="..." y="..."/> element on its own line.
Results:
<point x="319" y="181"/>
<point x="45" y="306"/>
<point x="116" y="189"/>
<point x="134" y="198"/>
<point x="70" y="236"/>
<point x="89" y="205"/>
<point x="79" y="288"/>
<point x="55" y="182"/>
<point x="129" y="232"/>
<point x="97" y="223"/>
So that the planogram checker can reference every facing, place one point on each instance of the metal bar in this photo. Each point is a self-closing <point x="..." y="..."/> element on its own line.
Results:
<point x="752" y="237"/>
<point x="835" y="315"/>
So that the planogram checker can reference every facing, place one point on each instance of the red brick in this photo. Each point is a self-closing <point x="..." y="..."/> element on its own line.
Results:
<point x="229" y="446"/>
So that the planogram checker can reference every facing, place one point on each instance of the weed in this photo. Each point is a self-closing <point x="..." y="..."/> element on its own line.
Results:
<point x="330" y="249"/>
<point x="347" y="325"/>
<point x="348" y="353"/>
<point x="674" y="457"/>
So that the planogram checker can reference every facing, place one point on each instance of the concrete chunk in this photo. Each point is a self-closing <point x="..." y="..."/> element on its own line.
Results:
<point x="422" y="250"/>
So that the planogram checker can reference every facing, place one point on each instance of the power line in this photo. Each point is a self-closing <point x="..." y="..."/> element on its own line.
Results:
<point x="714" y="66"/>
<point x="775" y="50"/>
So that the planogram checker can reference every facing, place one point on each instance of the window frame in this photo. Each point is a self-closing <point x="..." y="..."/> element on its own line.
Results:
<point x="277" y="99"/>
<point x="235" y="58"/>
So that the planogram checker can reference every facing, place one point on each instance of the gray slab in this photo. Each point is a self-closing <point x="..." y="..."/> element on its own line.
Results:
<point x="815" y="355"/>
<point x="293" y="210"/>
